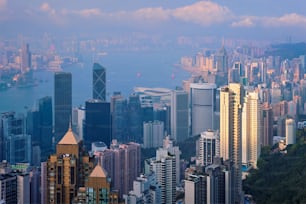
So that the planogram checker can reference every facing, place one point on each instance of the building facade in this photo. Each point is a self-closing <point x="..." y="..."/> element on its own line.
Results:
<point x="251" y="129"/>
<point x="62" y="103"/>
<point x="179" y="115"/>
<point x="99" y="82"/>
<point x="202" y="107"/>
<point x="230" y="131"/>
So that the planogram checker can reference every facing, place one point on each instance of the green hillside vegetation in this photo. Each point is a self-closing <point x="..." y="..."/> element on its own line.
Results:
<point x="280" y="178"/>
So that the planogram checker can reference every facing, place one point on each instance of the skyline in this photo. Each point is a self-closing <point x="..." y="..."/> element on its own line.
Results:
<point x="222" y="19"/>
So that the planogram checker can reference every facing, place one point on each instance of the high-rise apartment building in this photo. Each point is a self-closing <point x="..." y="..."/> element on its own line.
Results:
<point x="230" y="131"/>
<point x="208" y="147"/>
<point x="62" y="103"/>
<point x="145" y="190"/>
<point x="210" y="185"/>
<point x="97" y="124"/>
<point x="99" y="82"/>
<point x="290" y="131"/>
<point x="153" y="134"/>
<point x="8" y="188"/>
<point x="179" y="115"/>
<point x="164" y="168"/>
<point x="122" y="164"/>
<point x="67" y="170"/>
<point x="251" y="129"/>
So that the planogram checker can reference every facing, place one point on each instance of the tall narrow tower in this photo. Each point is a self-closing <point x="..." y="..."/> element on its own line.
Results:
<point x="179" y="115"/>
<point x="230" y="131"/>
<point x="251" y="129"/>
<point x="62" y="103"/>
<point x="99" y="82"/>
<point x="202" y="107"/>
<point x="25" y="58"/>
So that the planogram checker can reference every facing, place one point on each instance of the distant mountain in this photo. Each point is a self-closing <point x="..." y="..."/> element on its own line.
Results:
<point x="287" y="50"/>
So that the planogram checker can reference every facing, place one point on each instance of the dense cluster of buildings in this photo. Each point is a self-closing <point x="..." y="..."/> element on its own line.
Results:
<point x="92" y="154"/>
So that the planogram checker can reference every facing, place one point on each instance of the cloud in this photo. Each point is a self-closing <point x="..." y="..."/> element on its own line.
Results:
<point x="3" y="4"/>
<point x="51" y="13"/>
<point x="244" y="22"/>
<point x="46" y="8"/>
<point x="93" y="12"/>
<point x="292" y="19"/>
<point x="204" y="13"/>
<point x="155" y="14"/>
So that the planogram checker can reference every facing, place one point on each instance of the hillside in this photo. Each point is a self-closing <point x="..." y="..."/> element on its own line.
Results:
<point x="280" y="178"/>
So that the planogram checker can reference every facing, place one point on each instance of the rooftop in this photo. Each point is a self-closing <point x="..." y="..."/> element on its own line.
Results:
<point x="69" y="138"/>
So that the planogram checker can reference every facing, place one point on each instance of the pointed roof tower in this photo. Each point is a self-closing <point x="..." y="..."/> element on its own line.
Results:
<point x="98" y="172"/>
<point x="69" y="137"/>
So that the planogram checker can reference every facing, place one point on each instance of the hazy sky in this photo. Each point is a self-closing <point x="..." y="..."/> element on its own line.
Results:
<point x="251" y="19"/>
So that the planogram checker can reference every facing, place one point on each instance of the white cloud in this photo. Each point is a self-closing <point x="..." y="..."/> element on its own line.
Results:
<point x="291" y="19"/>
<point x="244" y="22"/>
<point x="204" y="13"/>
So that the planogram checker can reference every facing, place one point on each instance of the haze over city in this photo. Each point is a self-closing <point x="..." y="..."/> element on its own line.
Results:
<point x="255" y="20"/>
<point x="156" y="102"/>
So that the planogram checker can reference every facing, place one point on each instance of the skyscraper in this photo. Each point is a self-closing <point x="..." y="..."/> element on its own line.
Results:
<point x="221" y="60"/>
<point x="62" y="103"/>
<point x="120" y="120"/>
<point x="67" y="170"/>
<point x="25" y="58"/>
<point x="202" y="107"/>
<point x="97" y="124"/>
<point x="99" y="82"/>
<point x="251" y="129"/>
<point x="45" y="126"/>
<point x="179" y="115"/>
<point x="16" y="144"/>
<point x="134" y="118"/>
<point x="230" y="131"/>
<point x="267" y="120"/>
<point x="164" y="168"/>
